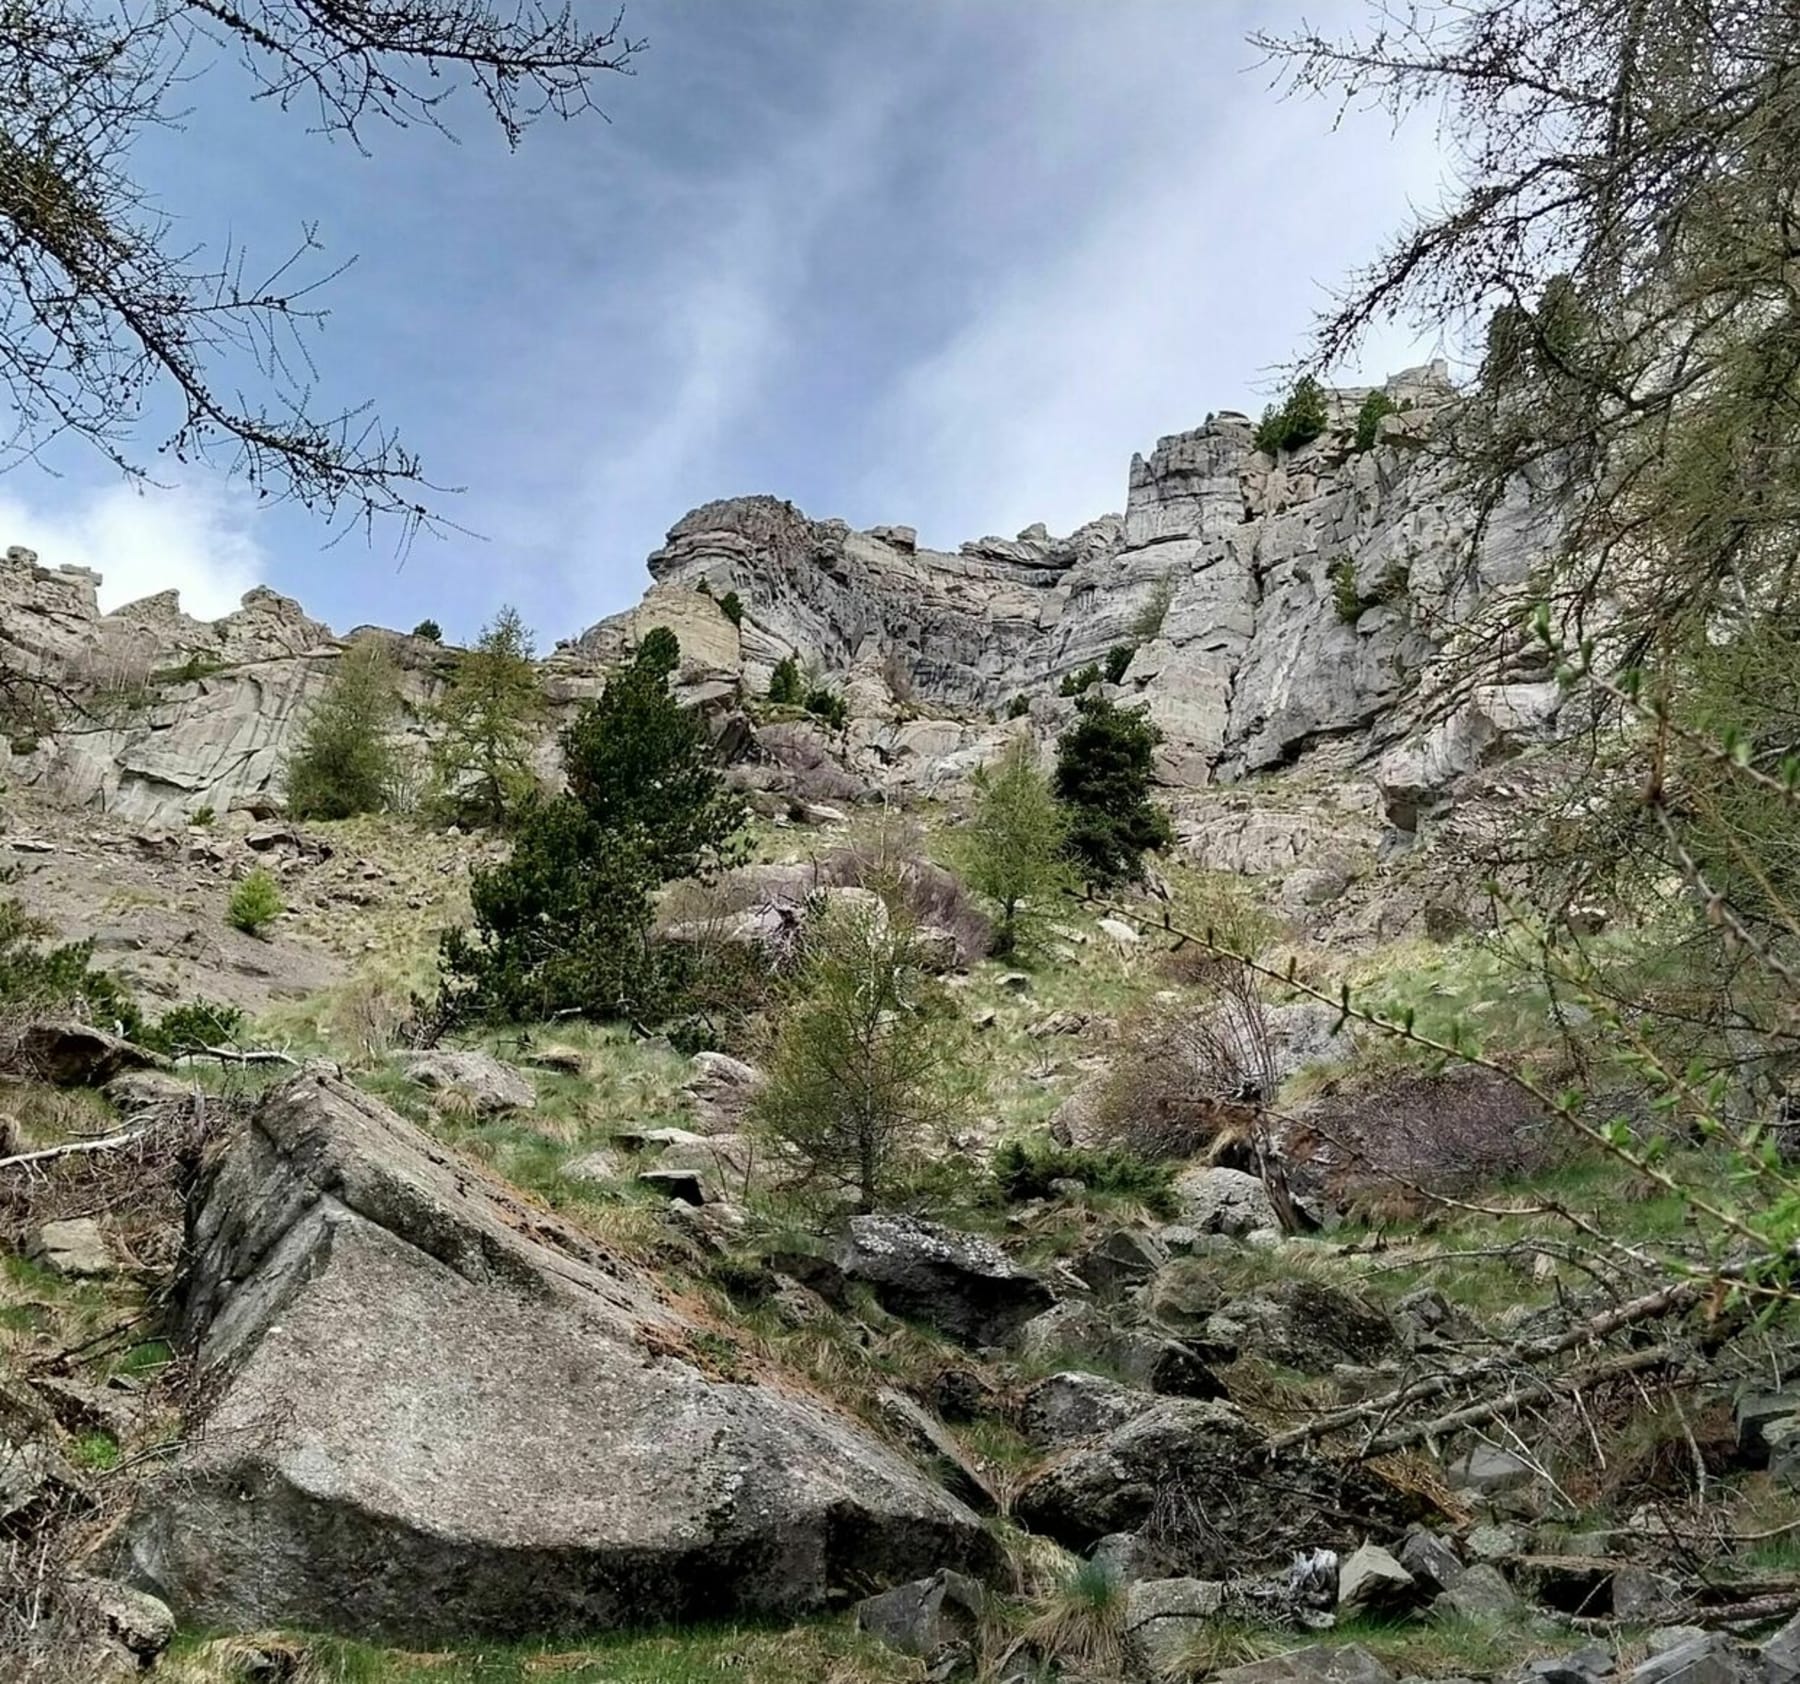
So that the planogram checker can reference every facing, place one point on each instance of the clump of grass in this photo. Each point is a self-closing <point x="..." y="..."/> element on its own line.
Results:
<point x="1079" y="1626"/>
<point x="96" y="1451"/>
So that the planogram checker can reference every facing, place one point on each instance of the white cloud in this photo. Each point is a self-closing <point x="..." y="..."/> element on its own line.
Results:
<point x="1186" y="269"/>
<point x="195" y="538"/>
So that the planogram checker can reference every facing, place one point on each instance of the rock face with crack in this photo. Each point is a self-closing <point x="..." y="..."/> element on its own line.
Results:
<point x="438" y="1411"/>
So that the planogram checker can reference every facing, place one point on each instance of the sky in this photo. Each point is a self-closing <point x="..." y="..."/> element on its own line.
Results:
<point x="945" y="263"/>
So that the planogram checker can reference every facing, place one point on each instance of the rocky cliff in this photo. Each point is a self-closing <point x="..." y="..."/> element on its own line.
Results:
<point x="1269" y="605"/>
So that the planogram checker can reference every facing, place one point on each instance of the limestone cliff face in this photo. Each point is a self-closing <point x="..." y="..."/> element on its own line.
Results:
<point x="1270" y="603"/>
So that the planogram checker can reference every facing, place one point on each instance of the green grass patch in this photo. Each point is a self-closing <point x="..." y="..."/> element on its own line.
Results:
<point x="801" y="1654"/>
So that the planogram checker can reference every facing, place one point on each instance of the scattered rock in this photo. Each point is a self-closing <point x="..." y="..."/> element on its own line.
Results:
<point x="31" y="1473"/>
<point x="80" y="1407"/>
<point x="1431" y="1561"/>
<point x="413" y="1365"/>
<point x="598" y="1165"/>
<point x="141" y="1623"/>
<point x="720" y="1091"/>
<point x="1126" y="1258"/>
<point x="1164" y="1616"/>
<point x="77" y="1055"/>
<point x="1223" y="1201"/>
<point x="1642" y="1597"/>
<point x="1489" y="1470"/>
<point x="1066" y="1408"/>
<point x="492" y="1087"/>
<point x="961" y="1284"/>
<point x="76" y="1247"/>
<point x="1321" y="1663"/>
<point x="936" y="1619"/>
<point x="1755" y="1413"/>
<point x="1116" y="929"/>
<point x="1492" y="1543"/>
<point x="560" y="1061"/>
<point x="1707" y="1659"/>
<point x="926" y="1437"/>
<point x="1371" y="1581"/>
<point x="1780" y="1654"/>
<point x="1480" y="1593"/>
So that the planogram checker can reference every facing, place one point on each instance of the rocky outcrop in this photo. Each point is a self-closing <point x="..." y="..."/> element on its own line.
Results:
<point x="436" y="1410"/>
<point x="1270" y="604"/>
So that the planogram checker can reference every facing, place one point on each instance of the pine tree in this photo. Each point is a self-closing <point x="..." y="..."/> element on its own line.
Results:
<point x="488" y="725"/>
<point x="1104" y="767"/>
<point x="564" y="925"/>
<point x="346" y="761"/>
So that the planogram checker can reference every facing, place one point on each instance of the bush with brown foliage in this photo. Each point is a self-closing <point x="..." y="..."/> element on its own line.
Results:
<point x="1193" y="1074"/>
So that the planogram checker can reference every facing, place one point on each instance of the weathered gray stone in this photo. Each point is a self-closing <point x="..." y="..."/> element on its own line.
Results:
<point x="415" y="1367"/>
<point x="927" y="1617"/>
<point x="1123" y="1259"/>
<point x="76" y="1247"/>
<point x="961" y="1284"/>
<point x="137" y="1091"/>
<point x="1066" y="1408"/>
<point x="1321" y="1663"/>
<point x="1372" y="1581"/>
<point x="1126" y="1557"/>
<point x="491" y="1087"/>
<point x="1223" y="1201"/>
<point x="1481" y="1592"/>
<point x="1492" y="1543"/>
<point x="1489" y="1470"/>
<point x="1163" y="1617"/>
<point x="1708" y="1659"/>
<point x="1641" y="1596"/>
<point x="143" y="1625"/>
<point x="1780" y="1654"/>
<point x="1431" y="1561"/>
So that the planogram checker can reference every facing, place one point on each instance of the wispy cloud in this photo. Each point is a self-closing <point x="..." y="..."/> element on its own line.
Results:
<point x="1188" y="271"/>
<point x="196" y="538"/>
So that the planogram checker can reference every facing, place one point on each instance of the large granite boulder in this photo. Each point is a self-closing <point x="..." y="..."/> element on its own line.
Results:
<point x="961" y="1284"/>
<point x="437" y="1411"/>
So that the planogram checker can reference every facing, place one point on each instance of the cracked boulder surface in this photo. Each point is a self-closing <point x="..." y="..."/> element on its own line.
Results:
<point x="435" y="1410"/>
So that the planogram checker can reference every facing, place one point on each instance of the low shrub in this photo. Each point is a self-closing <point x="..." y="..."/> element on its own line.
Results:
<point x="1080" y="682"/>
<point x="731" y="605"/>
<point x="1018" y="707"/>
<point x="1026" y="1170"/>
<point x="786" y="687"/>
<point x="1118" y="658"/>
<point x="255" y="903"/>
<point x="1297" y="421"/>
<point x="1375" y="407"/>
<point x="193" y="1025"/>
<point x="430" y="630"/>
<point x="829" y="706"/>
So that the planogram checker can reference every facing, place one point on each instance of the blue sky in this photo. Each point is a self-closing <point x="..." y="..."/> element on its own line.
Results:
<point x="941" y="262"/>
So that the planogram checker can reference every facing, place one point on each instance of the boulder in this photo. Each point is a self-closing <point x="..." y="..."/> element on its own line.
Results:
<point x="1371" y="1581"/>
<point x="1707" y="1659"/>
<point x="1067" y="1408"/>
<point x="455" y="1415"/>
<point x="32" y="1474"/>
<point x="1204" y="1474"/>
<point x="1224" y="1201"/>
<point x="961" y="1284"/>
<point x="76" y="1247"/>
<point x="1125" y="1557"/>
<point x="1320" y="1663"/>
<point x="1481" y="1592"/>
<point x="76" y="1055"/>
<point x="598" y="1165"/>
<point x="1490" y="1470"/>
<point x="926" y="1437"/>
<point x="136" y="1091"/>
<point x="1125" y="1258"/>
<point x="1780" y="1654"/>
<point x="1755" y="1413"/>
<point x="492" y="1088"/>
<point x="1163" y="1617"/>
<point x="1306" y="1325"/>
<point x="936" y="1619"/>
